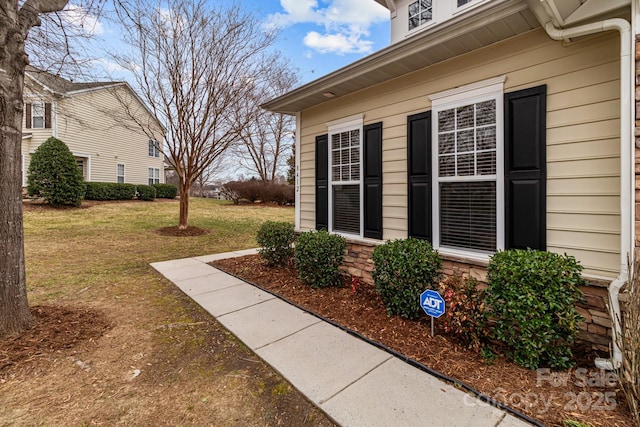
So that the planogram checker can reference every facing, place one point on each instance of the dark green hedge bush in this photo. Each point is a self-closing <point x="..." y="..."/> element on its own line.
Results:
<point x="165" y="191"/>
<point x="276" y="242"/>
<point x="146" y="192"/>
<point x="318" y="256"/>
<point x="403" y="270"/>
<point x="109" y="191"/>
<point x="54" y="174"/>
<point x="531" y="302"/>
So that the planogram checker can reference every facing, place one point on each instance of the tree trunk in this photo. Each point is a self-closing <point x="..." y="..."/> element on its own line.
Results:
<point x="15" y="316"/>
<point x="183" y="222"/>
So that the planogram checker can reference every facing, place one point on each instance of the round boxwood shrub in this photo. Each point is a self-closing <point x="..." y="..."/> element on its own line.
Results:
<point x="276" y="242"/>
<point x="165" y="191"/>
<point x="54" y="174"/>
<point x="146" y="192"/>
<point x="531" y="302"/>
<point x="318" y="256"/>
<point x="403" y="270"/>
<point x="109" y="191"/>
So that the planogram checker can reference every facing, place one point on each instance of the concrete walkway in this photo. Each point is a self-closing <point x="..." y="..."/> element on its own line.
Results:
<point x="354" y="382"/>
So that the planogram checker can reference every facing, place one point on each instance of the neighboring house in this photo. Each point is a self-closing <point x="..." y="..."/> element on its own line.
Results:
<point x="485" y="125"/>
<point x="94" y="120"/>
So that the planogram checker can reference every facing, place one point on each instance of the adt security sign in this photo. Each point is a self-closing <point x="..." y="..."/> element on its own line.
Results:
<point x="432" y="303"/>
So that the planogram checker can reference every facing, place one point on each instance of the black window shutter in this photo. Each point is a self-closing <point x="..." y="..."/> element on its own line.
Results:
<point x="525" y="168"/>
<point x="419" y="175"/>
<point x="47" y="115"/>
<point x="27" y="115"/>
<point x="373" y="181"/>
<point x="322" y="182"/>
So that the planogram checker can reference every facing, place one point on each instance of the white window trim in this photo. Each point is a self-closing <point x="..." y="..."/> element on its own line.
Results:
<point x="124" y="175"/>
<point x="336" y="126"/>
<point x="464" y="95"/>
<point x="430" y="23"/>
<point x="44" y="115"/>
<point x="465" y="7"/>
<point x="156" y="148"/>
<point x="88" y="157"/>
<point x="154" y="169"/>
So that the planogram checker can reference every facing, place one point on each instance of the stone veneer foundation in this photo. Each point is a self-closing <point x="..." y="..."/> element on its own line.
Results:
<point x="595" y="330"/>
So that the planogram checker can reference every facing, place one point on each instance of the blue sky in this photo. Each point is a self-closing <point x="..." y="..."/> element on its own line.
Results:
<point x="317" y="36"/>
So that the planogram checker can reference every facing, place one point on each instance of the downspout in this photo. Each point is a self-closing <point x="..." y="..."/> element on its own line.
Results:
<point x="626" y="155"/>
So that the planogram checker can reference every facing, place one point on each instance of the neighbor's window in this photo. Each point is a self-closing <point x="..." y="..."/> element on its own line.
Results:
<point x="345" y="180"/>
<point x="154" y="148"/>
<point x="420" y="13"/>
<point x="120" y="173"/>
<point x="154" y="176"/>
<point x="37" y="115"/>
<point x="466" y="161"/>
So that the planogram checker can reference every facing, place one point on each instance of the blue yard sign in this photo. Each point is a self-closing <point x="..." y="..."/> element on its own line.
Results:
<point x="432" y="304"/>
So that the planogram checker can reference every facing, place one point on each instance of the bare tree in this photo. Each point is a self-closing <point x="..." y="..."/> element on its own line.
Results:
<point x="194" y="65"/>
<point x="268" y="136"/>
<point x="17" y="18"/>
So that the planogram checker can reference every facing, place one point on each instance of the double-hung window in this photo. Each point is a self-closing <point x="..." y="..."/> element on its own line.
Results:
<point x="345" y="157"/>
<point x="154" y="176"/>
<point x="154" y="148"/>
<point x="467" y="156"/>
<point x="120" y="173"/>
<point x="37" y="115"/>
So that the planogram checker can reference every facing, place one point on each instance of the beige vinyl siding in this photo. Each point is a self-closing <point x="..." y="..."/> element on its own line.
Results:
<point x="94" y="127"/>
<point x="582" y="79"/>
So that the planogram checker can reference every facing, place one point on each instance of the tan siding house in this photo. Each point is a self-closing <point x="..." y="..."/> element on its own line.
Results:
<point x="502" y="124"/>
<point x="93" y="119"/>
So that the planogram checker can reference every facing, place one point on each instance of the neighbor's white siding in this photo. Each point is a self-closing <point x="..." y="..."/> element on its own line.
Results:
<point x="582" y="78"/>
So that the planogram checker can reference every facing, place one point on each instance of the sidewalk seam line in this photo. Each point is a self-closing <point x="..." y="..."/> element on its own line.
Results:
<point x="322" y="402"/>
<point x="287" y="336"/>
<point x="504" y="415"/>
<point x="213" y="290"/>
<point x="239" y="309"/>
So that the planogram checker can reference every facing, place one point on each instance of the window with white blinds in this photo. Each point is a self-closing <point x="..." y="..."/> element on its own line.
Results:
<point x="345" y="180"/>
<point x="468" y="197"/>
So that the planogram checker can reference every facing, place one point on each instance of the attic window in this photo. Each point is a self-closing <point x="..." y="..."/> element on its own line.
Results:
<point x="420" y="13"/>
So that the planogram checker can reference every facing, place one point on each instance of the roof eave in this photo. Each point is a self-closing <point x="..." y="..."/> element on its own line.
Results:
<point x="458" y="26"/>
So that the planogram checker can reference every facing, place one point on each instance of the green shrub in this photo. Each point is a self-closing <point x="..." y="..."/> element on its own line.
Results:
<point x="146" y="192"/>
<point x="165" y="191"/>
<point x="464" y="316"/>
<point x="531" y="302"/>
<point x="276" y="241"/>
<point x="54" y="174"/>
<point x="403" y="270"/>
<point x="109" y="191"/>
<point x="318" y="256"/>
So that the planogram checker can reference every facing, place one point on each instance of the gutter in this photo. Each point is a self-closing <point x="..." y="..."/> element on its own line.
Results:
<point x="626" y="156"/>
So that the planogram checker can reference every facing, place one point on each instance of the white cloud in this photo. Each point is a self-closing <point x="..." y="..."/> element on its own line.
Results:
<point x="82" y="20"/>
<point x="340" y="44"/>
<point x="345" y="23"/>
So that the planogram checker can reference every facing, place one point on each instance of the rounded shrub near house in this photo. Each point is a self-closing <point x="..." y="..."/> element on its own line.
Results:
<point x="146" y="192"/>
<point x="318" y="256"/>
<point x="531" y="304"/>
<point x="276" y="242"/>
<point x="403" y="270"/>
<point x="54" y="175"/>
<point x="165" y="191"/>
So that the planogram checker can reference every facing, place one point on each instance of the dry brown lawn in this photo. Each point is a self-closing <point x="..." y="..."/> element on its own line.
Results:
<point x="131" y="348"/>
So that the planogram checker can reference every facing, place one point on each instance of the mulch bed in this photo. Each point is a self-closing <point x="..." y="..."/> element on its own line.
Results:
<point x="584" y="393"/>
<point x="174" y="231"/>
<point x="56" y="330"/>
